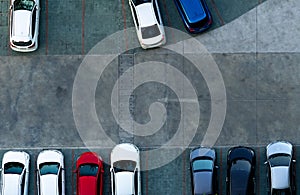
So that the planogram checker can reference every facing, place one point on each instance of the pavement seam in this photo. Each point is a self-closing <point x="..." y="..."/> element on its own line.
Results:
<point x="82" y="27"/>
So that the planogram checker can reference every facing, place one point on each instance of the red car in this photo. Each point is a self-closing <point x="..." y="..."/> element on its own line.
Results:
<point x="89" y="169"/>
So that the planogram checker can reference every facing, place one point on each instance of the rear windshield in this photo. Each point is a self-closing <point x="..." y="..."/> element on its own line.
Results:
<point x="13" y="168"/>
<point x="281" y="192"/>
<point x="21" y="43"/>
<point x="23" y="5"/>
<point x="150" y="31"/>
<point x="88" y="170"/>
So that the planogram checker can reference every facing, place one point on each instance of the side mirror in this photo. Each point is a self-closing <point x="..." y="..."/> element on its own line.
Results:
<point x="217" y="167"/>
<point x="11" y="7"/>
<point x="75" y="171"/>
<point x="37" y="8"/>
<point x="294" y="160"/>
<point x="266" y="162"/>
<point x="111" y="170"/>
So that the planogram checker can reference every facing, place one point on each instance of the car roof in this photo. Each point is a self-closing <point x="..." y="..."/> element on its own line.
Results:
<point x="203" y="152"/>
<point x="280" y="177"/>
<point x="49" y="184"/>
<point x="203" y="182"/>
<point x="239" y="177"/>
<point x="11" y="184"/>
<point x="279" y="147"/>
<point x="87" y="185"/>
<point x="124" y="183"/>
<point x="146" y="15"/>
<point x="21" y="24"/>
<point x="193" y="10"/>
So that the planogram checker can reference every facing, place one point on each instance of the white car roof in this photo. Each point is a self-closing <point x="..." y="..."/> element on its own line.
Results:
<point x="15" y="156"/>
<point x="280" y="177"/>
<point x="49" y="184"/>
<point x="125" y="151"/>
<point x="50" y="156"/>
<point x="21" y="25"/>
<point x="279" y="147"/>
<point x="146" y="14"/>
<point x="10" y="182"/>
<point x="124" y="183"/>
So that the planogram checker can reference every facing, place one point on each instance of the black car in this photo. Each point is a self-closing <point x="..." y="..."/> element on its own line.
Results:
<point x="241" y="171"/>
<point x="203" y="170"/>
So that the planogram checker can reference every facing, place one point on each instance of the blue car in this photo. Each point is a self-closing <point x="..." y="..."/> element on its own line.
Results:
<point x="195" y="15"/>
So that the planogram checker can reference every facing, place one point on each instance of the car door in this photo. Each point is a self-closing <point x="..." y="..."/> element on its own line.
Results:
<point x="134" y="14"/>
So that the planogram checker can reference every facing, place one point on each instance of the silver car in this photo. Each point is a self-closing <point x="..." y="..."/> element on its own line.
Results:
<point x="281" y="172"/>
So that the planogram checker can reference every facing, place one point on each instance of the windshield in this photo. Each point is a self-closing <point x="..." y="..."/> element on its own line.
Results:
<point x="124" y="165"/>
<point x="138" y="2"/>
<point x="280" y="160"/>
<point x="202" y="165"/>
<point x="49" y="168"/>
<point x="150" y="31"/>
<point x="88" y="170"/>
<point x="24" y="5"/>
<point x="13" y="168"/>
<point x="281" y="192"/>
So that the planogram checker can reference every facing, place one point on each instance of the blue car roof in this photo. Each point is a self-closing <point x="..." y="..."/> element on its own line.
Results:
<point x="193" y="10"/>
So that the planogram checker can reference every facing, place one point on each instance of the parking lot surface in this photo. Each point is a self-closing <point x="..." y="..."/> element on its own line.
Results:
<point x="257" y="58"/>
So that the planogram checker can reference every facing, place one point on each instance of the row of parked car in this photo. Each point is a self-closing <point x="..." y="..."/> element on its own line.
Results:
<point x="50" y="172"/>
<point x="241" y="163"/>
<point x="24" y="16"/>
<point x="126" y="177"/>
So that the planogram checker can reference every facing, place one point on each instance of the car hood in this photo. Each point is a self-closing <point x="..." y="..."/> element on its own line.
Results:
<point x="10" y="183"/>
<point x="21" y="25"/>
<point x="15" y="156"/>
<point x="48" y="184"/>
<point x="202" y="182"/>
<point x="50" y="156"/>
<point x="89" y="157"/>
<point x="125" y="152"/>
<point x="203" y="152"/>
<point x="124" y="183"/>
<point x="279" y="147"/>
<point x="280" y="177"/>
<point x="87" y="185"/>
<point x="146" y="15"/>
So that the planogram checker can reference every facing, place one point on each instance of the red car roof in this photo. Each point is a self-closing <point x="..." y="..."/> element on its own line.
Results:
<point x="87" y="185"/>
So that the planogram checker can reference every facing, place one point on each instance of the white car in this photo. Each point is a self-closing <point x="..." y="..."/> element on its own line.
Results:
<point x="148" y="23"/>
<point x="24" y="25"/>
<point x="125" y="170"/>
<point x="14" y="173"/>
<point x="281" y="173"/>
<point x="50" y="173"/>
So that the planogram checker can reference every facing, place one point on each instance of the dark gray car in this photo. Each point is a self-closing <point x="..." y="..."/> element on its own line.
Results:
<point x="203" y="170"/>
